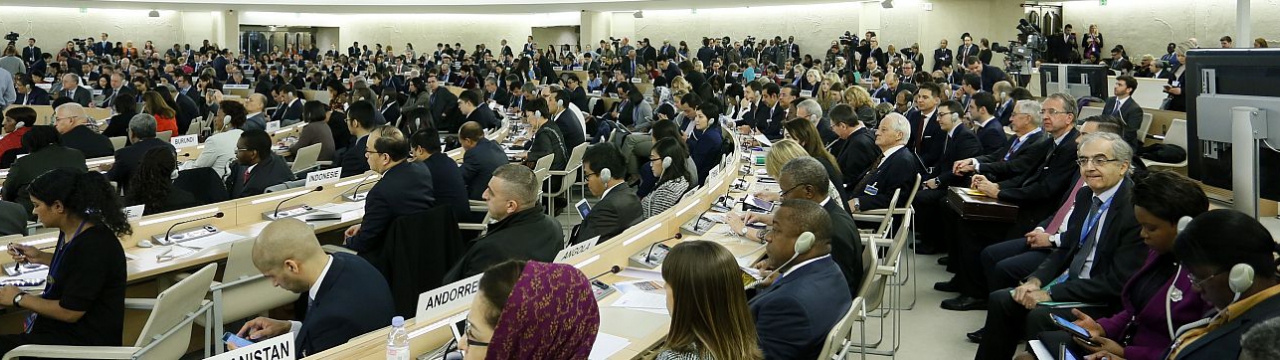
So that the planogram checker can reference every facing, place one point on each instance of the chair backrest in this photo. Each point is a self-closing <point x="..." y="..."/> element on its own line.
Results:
<point x="911" y="199"/>
<point x="839" y="334"/>
<point x="888" y="213"/>
<point x="1177" y="134"/>
<point x="306" y="157"/>
<point x="570" y="167"/>
<point x="1145" y="128"/>
<point x="118" y="142"/>
<point x="164" y="135"/>
<point x="171" y="308"/>
<point x="1087" y="111"/>
<point x="253" y="297"/>
<point x="196" y="125"/>
<point x="873" y="284"/>
<point x="899" y="239"/>
<point x="542" y="170"/>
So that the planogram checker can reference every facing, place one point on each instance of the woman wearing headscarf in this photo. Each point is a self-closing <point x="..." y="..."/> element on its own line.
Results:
<point x="532" y="310"/>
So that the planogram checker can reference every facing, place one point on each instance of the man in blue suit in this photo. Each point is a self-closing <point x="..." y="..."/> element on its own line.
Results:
<point x="990" y="131"/>
<point x="481" y="157"/>
<point x="808" y="294"/>
<point x="346" y="296"/>
<point x="990" y="75"/>
<point x="896" y="169"/>
<point x="404" y="189"/>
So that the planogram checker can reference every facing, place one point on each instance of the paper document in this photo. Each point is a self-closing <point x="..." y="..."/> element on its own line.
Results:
<point x="1041" y="352"/>
<point x="643" y="301"/>
<point x="606" y="345"/>
<point x="641" y="274"/>
<point x="764" y="141"/>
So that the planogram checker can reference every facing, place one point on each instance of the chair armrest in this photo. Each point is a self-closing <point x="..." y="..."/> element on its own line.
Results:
<point x="565" y="171"/>
<point x="333" y="249"/>
<point x="471" y="226"/>
<point x="878" y="240"/>
<point x="886" y="270"/>
<point x="139" y="303"/>
<point x="72" y="352"/>
<point x="863" y="216"/>
<point x="324" y="163"/>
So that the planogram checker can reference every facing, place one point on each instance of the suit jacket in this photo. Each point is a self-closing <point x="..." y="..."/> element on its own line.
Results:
<point x="352" y="161"/>
<point x="89" y="142"/>
<point x="447" y="185"/>
<point x="128" y="159"/>
<point x="799" y="309"/>
<point x="579" y="97"/>
<point x="769" y="120"/>
<point x="942" y="57"/>
<point x="962" y="144"/>
<point x="1224" y="342"/>
<point x="897" y="172"/>
<point x="846" y="245"/>
<point x="571" y="127"/>
<point x="289" y="113"/>
<point x="391" y="112"/>
<point x="990" y="76"/>
<point x="31" y="54"/>
<point x="1119" y="252"/>
<point x="855" y="156"/>
<point x="255" y="122"/>
<point x="404" y="189"/>
<point x="13" y="218"/>
<point x="37" y="96"/>
<point x="353" y="299"/>
<point x="964" y="52"/>
<point x="525" y="235"/>
<point x="484" y="116"/>
<point x="442" y="103"/>
<point x="1004" y="112"/>
<point x="617" y="211"/>
<point x="1021" y="160"/>
<point x="929" y="148"/>
<point x="269" y="172"/>
<point x="502" y="97"/>
<point x="80" y="96"/>
<point x="1037" y="192"/>
<point x="1131" y="113"/>
<point x="992" y="137"/>
<point x="478" y="165"/>
<point x="187" y="110"/>
<point x="26" y="169"/>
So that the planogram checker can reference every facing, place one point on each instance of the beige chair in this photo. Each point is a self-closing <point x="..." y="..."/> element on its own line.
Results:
<point x="118" y="142"/>
<point x="306" y="158"/>
<point x="1177" y="135"/>
<point x="243" y="291"/>
<point x="1086" y="112"/>
<point x="196" y="125"/>
<point x="872" y="215"/>
<point x="166" y="335"/>
<point x="542" y="170"/>
<point x="1146" y="127"/>
<point x="881" y="289"/>
<point x="836" y="347"/>
<point x="164" y="135"/>
<point x="569" y="175"/>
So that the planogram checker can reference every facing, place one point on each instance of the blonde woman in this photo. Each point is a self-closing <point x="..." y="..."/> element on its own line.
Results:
<point x="860" y="100"/>
<point x="779" y="154"/>
<point x="679" y="84"/>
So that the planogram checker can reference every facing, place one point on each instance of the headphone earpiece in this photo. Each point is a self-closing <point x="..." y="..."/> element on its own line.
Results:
<point x="605" y="176"/>
<point x="537" y="113"/>
<point x="174" y="175"/>
<point x="1183" y="222"/>
<point x="666" y="162"/>
<point x="804" y="243"/>
<point x="1240" y="279"/>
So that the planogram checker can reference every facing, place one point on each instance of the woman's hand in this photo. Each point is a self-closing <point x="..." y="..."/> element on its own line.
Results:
<point x="1103" y="355"/>
<point x="1086" y="322"/>
<point x="29" y="254"/>
<point x="767" y="196"/>
<point x="1105" y="345"/>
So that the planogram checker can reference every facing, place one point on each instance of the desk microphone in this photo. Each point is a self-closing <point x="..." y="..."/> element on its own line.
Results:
<point x="644" y="258"/>
<point x="612" y="270"/>
<point x="276" y="212"/>
<point x="354" y="189"/>
<point x="171" y="227"/>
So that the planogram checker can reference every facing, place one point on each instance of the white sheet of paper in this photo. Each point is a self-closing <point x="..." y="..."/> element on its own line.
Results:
<point x="606" y="345"/>
<point x="1041" y="352"/>
<point x="763" y="140"/>
<point x="643" y="301"/>
<point x="641" y="274"/>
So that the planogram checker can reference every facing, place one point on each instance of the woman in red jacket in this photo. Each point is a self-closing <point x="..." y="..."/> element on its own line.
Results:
<point x="166" y="118"/>
<point x="15" y="124"/>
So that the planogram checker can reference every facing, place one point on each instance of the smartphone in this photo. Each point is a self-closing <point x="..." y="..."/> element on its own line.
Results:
<point x="459" y="328"/>
<point x="1075" y="330"/>
<point x="239" y="342"/>
<point x="760" y="203"/>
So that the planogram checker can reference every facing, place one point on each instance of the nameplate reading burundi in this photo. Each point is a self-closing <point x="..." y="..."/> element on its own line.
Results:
<point x="276" y="348"/>
<point x="184" y="141"/>
<point x="322" y="177"/>
<point x="445" y="299"/>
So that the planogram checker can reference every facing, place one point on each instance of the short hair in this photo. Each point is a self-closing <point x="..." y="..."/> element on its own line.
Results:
<point x="362" y="113"/>
<point x="1168" y="195"/>
<point x="235" y="110"/>
<point x="807" y="170"/>
<point x="518" y="181"/>
<point x="143" y="126"/>
<point x="843" y="114"/>
<point x="1021" y="93"/>
<point x="772" y="89"/>
<point x="691" y="100"/>
<point x="898" y="123"/>
<point x="1119" y="148"/>
<point x="72" y="109"/>
<point x="471" y="130"/>
<point x="471" y="97"/>
<point x="1107" y="123"/>
<point x="258" y="141"/>
<point x="1260" y="341"/>
<point x="392" y="142"/>
<point x="810" y="217"/>
<point x="812" y="108"/>
<point x="1029" y="107"/>
<point x="1226" y="38"/>
<point x="934" y="90"/>
<point x="22" y="115"/>
<point x="605" y="156"/>
<point x="538" y="106"/>
<point x="971" y="60"/>
<point x="1129" y="82"/>
<point x="313" y="111"/>
<point x="973" y="80"/>
<point x="40" y="137"/>
<point x="1068" y="103"/>
<point x="428" y="139"/>
<point x="955" y="107"/>
<point x="985" y="100"/>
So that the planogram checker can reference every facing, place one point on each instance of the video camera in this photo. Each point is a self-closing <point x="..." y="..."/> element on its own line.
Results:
<point x="849" y="39"/>
<point x="750" y="41"/>
<point x="11" y="36"/>
<point x="1020" y="52"/>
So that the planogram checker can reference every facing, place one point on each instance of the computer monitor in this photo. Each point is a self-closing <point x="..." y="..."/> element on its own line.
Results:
<point x="1083" y="80"/>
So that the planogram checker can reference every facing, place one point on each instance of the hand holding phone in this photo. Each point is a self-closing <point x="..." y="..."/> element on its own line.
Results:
<point x="1075" y="330"/>
<point x="235" y="342"/>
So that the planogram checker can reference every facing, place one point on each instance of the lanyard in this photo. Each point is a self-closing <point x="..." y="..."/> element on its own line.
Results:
<point x="58" y="254"/>
<point x="1091" y="222"/>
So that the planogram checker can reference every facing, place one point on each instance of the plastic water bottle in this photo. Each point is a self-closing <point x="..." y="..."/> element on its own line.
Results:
<point x="398" y="341"/>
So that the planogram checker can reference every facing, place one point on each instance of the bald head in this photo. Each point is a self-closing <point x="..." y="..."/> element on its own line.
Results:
<point x="284" y="240"/>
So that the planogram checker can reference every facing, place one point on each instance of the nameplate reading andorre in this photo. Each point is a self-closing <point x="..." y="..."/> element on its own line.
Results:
<point x="447" y="299"/>
<point x="276" y="348"/>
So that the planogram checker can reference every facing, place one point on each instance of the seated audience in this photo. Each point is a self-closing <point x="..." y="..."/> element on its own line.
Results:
<point x="472" y="105"/>
<point x="346" y="297"/>
<point x="709" y="314"/>
<point x="118" y="124"/>
<point x="45" y="152"/>
<point x="705" y="141"/>
<point x="446" y="177"/>
<point x="256" y="168"/>
<point x="316" y="131"/>
<point x="547" y="140"/>
<point x="805" y="134"/>
<point x="152" y="184"/>
<point x="532" y="310"/>
<point x="254" y="106"/>
<point x="618" y="208"/>
<point x="166" y="117"/>
<point x="17" y="121"/>
<point x="71" y="121"/>
<point x="854" y="149"/>
<point x="667" y="161"/>
<point x="896" y="170"/>
<point x="405" y="188"/>
<point x="360" y="122"/>
<point x="480" y="158"/>
<point x="142" y="132"/>
<point x="521" y="229"/>
<point x="220" y="148"/>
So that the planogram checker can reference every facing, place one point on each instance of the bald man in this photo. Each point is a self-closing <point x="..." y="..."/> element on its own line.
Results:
<point x="72" y="123"/>
<point x="256" y="119"/>
<point x="346" y="297"/>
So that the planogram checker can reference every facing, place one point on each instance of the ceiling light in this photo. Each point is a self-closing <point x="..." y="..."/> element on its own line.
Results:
<point x="153" y="13"/>
<point x="887" y="4"/>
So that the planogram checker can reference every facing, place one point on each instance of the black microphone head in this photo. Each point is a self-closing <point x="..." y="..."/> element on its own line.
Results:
<point x="319" y="188"/>
<point x="219" y="215"/>
<point x="679" y="235"/>
<point x="615" y="269"/>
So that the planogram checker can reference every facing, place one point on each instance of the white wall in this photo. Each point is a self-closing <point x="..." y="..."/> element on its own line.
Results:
<point x="1144" y="27"/>
<point x="814" y="26"/>
<point x="53" y="27"/>
<point x="557" y="35"/>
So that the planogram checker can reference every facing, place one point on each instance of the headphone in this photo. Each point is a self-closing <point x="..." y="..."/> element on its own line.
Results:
<point x="803" y="244"/>
<point x="1241" y="276"/>
<point x="605" y="176"/>
<point x="666" y="162"/>
<point x="537" y="113"/>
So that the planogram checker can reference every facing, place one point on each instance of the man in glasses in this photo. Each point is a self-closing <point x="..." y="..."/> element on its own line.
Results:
<point x="404" y="189"/>
<point x="1100" y="251"/>
<point x="256" y="167"/>
<point x="960" y="143"/>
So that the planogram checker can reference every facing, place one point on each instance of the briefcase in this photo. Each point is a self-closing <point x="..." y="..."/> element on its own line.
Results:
<point x="977" y="207"/>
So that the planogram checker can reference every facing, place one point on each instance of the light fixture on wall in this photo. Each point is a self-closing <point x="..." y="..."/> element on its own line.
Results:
<point x="639" y="14"/>
<point x="153" y="13"/>
<point x="887" y="4"/>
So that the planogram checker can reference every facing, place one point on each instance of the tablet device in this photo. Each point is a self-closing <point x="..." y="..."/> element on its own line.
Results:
<point x="760" y="203"/>
<point x="1073" y="329"/>
<point x="583" y="208"/>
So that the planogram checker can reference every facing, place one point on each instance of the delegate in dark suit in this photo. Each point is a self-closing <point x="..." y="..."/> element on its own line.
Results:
<point x="1118" y="252"/>
<point x="961" y="144"/>
<point x="1037" y="192"/>
<point x="992" y="137"/>
<point x="404" y="189"/>
<point x="1131" y="113"/>
<point x="484" y="116"/>
<point x="447" y="185"/>
<point x="942" y="57"/>
<point x="896" y="172"/>
<point x="854" y="156"/>
<point x="79" y="95"/>
<point x="289" y="113"/>
<point x="442" y="103"/>
<point x="579" y="97"/>
<point x="478" y="164"/>
<point x="37" y="96"/>
<point x="13" y="218"/>
<point x="990" y="76"/>
<point x="613" y="214"/>
<point x="26" y="169"/>
<point x="846" y="245"/>
<point x="269" y="172"/>
<point x="795" y="314"/>
<point x="128" y="159"/>
<point x="927" y="144"/>
<point x="187" y="111"/>
<point x="1017" y="157"/>
<point x="352" y="161"/>
<point x="769" y="122"/>
<point x="571" y="127"/>
<point x="89" y="142"/>
<point x="525" y="235"/>
<point x="353" y="299"/>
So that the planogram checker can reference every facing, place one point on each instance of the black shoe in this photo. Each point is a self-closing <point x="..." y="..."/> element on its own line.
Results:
<point x="944" y="261"/>
<point x="946" y="286"/>
<point x="976" y="336"/>
<point x="964" y="303"/>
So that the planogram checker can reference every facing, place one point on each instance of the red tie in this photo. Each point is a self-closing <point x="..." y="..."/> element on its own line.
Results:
<point x="1061" y="215"/>
<point x="246" y="176"/>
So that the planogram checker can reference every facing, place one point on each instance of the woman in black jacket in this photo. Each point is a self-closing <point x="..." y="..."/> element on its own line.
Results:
<point x="152" y="184"/>
<point x="118" y="125"/>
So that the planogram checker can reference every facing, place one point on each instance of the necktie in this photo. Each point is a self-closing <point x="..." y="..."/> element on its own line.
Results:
<point x="924" y="122"/>
<point x="862" y="184"/>
<point x="1061" y="215"/>
<point x="1088" y="240"/>
<point x="1012" y="148"/>
<point x="246" y="176"/>
<point x="1116" y="111"/>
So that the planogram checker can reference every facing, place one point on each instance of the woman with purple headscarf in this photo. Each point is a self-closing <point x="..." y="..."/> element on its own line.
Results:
<point x="532" y="310"/>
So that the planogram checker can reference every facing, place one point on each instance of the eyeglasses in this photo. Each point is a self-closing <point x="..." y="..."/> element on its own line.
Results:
<point x="467" y="333"/>
<point x="941" y="114"/>
<point x="589" y="174"/>
<point x="1097" y="161"/>
<point x="1052" y="112"/>
<point x="1199" y="283"/>
<point x="784" y="193"/>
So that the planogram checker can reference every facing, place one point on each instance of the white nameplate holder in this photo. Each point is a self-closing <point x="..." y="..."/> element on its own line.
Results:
<point x="806" y="93"/>
<point x="133" y="213"/>
<point x="235" y="87"/>
<point x="277" y="348"/>
<point x="575" y="250"/>
<point x="447" y="299"/>
<point x="273" y="125"/>
<point x="635" y="80"/>
<point x="184" y="141"/>
<point x="321" y="177"/>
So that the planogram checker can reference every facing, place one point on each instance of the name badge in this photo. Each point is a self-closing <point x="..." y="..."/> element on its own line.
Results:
<point x="806" y="93"/>
<point x="871" y="190"/>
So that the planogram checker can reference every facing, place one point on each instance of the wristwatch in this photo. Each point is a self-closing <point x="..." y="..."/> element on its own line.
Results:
<point x="17" y="299"/>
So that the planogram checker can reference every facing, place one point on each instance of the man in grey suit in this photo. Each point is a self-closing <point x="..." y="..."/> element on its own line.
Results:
<point x="71" y="88"/>
<point x="618" y="208"/>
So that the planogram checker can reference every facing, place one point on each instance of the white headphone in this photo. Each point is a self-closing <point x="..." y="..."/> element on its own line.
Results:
<point x="1241" y="276"/>
<point x="605" y="176"/>
<point x="666" y="162"/>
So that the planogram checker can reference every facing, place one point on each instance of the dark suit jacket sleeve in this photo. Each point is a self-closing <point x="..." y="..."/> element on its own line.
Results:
<point x="1048" y="187"/>
<point x="967" y="146"/>
<point x="604" y="220"/>
<point x="1133" y="123"/>
<point x="900" y="174"/>
<point x="992" y="140"/>
<point x="328" y="332"/>
<point x="784" y="327"/>
<point x="1028" y="157"/>
<point x="1124" y="262"/>
<point x="377" y="216"/>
